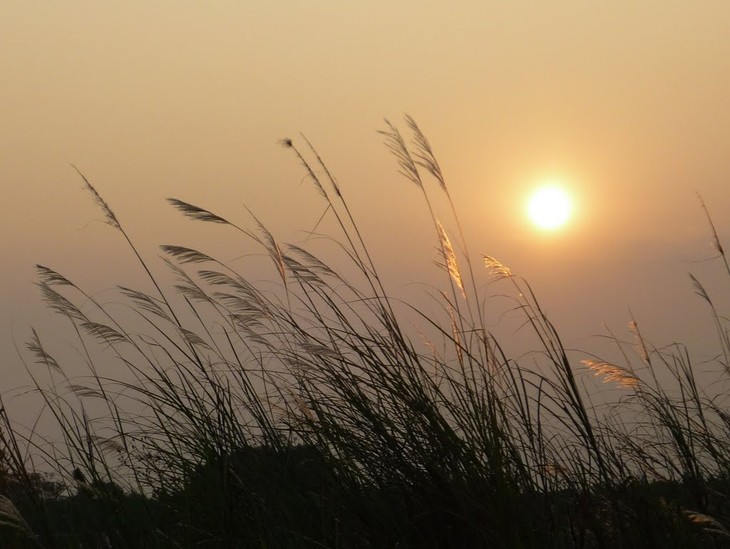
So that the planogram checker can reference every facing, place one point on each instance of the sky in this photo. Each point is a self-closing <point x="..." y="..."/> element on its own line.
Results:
<point x="624" y="102"/>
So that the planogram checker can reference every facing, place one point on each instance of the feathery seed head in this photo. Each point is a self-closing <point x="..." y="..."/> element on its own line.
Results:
<point x="612" y="373"/>
<point x="496" y="268"/>
<point x="111" y="219"/>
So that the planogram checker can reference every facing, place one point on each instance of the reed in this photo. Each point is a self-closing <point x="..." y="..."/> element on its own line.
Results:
<point x="307" y="413"/>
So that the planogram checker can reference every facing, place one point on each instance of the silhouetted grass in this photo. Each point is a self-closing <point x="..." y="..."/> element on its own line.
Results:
<point x="306" y="414"/>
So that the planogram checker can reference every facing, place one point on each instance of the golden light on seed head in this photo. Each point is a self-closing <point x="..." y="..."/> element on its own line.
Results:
<point x="549" y="207"/>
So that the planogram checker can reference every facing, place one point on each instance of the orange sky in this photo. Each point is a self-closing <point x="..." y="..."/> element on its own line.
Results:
<point x="626" y="101"/>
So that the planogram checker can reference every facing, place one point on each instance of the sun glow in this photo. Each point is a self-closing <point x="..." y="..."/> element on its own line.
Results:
<point x="549" y="207"/>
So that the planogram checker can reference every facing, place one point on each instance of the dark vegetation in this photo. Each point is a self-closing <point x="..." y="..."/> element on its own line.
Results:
<point x="311" y="415"/>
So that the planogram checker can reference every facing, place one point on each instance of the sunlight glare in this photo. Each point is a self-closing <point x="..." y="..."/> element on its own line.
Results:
<point x="549" y="208"/>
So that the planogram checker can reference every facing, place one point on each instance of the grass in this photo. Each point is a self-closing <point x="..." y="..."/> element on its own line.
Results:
<point x="305" y="413"/>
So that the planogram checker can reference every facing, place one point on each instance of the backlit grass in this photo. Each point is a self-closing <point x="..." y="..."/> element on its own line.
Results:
<point x="309" y="413"/>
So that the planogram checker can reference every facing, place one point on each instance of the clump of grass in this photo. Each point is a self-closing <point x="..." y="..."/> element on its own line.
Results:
<point x="306" y="414"/>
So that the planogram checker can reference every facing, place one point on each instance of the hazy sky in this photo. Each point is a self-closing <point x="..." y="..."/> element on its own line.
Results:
<point x="626" y="101"/>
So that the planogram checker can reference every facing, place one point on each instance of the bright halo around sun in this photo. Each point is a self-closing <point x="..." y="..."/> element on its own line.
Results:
<point x="549" y="208"/>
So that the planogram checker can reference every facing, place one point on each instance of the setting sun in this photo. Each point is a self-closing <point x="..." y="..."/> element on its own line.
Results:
<point x="549" y="208"/>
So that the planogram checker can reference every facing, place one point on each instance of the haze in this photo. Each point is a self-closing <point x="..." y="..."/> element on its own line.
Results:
<point x="627" y="102"/>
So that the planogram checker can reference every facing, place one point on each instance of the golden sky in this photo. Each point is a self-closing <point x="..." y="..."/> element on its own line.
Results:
<point x="625" y="101"/>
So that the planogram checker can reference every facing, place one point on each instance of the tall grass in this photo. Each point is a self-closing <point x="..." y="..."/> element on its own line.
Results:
<point x="306" y="413"/>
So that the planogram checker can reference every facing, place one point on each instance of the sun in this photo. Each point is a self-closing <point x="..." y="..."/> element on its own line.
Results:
<point x="549" y="207"/>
